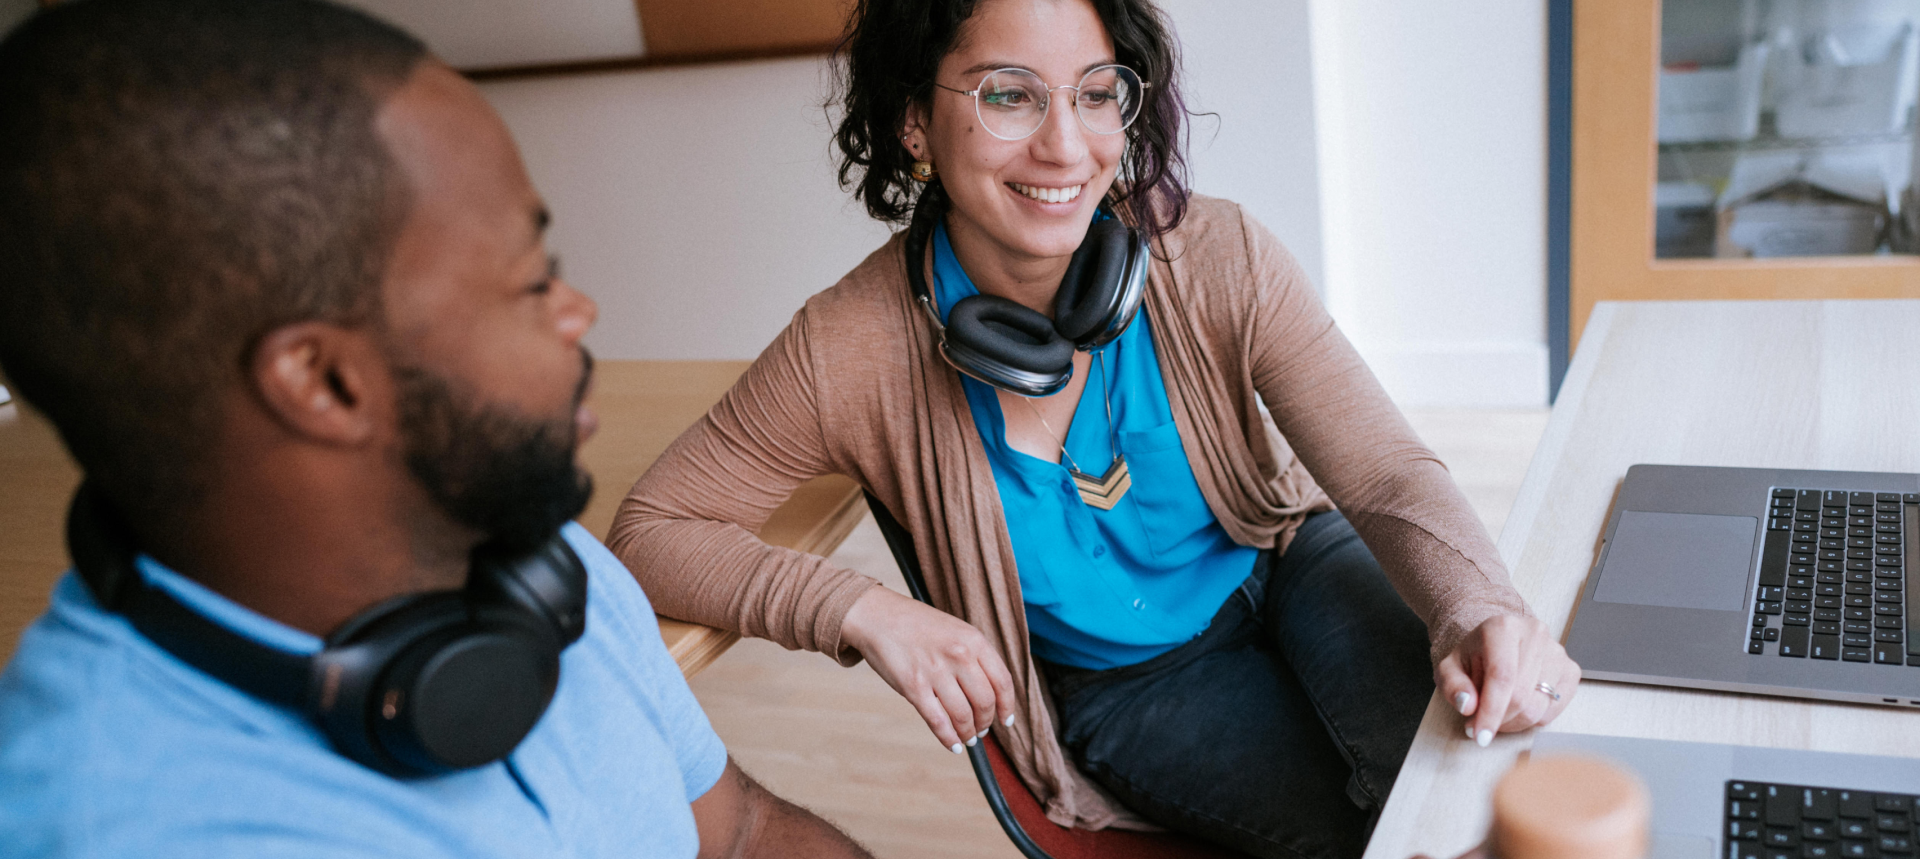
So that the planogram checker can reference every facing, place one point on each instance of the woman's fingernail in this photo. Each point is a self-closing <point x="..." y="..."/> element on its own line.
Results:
<point x="959" y="751"/>
<point x="1469" y="732"/>
<point x="973" y="741"/>
<point x="982" y="734"/>
<point x="1484" y="737"/>
<point x="1460" y="702"/>
<point x="1009" y="721"/>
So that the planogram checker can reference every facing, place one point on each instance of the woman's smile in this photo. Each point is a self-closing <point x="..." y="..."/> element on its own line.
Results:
<point x="1044" y="194"/>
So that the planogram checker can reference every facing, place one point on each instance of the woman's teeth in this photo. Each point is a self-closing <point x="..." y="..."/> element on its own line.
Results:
<point x="1049" y="195"/>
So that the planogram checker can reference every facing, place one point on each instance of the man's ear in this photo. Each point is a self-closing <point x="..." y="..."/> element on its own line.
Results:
<point x="321" y="381"/>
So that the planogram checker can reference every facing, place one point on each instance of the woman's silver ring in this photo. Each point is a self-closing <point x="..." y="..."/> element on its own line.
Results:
<point x="1545" y="689"/>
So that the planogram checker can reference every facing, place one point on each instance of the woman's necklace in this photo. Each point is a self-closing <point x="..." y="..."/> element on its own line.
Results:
<point x="1107" y="489"/>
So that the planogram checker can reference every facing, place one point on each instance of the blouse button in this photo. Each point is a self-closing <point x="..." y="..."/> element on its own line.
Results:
<point x="1139" y="604"/>
<point x="1099" y="551"/>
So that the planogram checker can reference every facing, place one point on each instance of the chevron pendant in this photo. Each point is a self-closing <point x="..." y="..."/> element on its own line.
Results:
<point x="1106" y="490"/>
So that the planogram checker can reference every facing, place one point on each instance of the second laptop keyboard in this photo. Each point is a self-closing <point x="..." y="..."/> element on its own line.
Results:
<point x="1780" y="821"/>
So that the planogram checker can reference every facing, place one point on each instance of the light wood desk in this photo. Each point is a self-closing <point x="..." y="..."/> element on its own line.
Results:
<point x="1779" y="384"/>
<point x="643" y="406"/>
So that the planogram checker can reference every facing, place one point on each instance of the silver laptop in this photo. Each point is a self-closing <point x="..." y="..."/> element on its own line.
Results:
<point x="1745" y="802"/>
<point x="1758" y="580"/>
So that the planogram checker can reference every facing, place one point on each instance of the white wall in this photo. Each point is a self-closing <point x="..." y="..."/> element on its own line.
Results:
<point x="699" y="205"/>
<point x="1249" y="62"/>
<point x="1432" y="132"/>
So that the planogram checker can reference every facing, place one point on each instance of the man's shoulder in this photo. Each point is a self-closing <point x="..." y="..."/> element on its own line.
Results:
<point x="79" y="675"/>
<point x="198" y="793"/>
<point x="105" y="750"/>
<point x="58" y="698"/>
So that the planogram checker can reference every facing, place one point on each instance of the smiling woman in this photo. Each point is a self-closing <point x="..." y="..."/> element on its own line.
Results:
<point x="1105" y="410"/>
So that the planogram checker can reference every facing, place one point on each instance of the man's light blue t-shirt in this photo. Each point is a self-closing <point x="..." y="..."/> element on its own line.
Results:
<point x="109" y="746"/>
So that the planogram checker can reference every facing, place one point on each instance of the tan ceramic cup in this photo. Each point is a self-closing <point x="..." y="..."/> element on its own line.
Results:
<point x="1569" y="807"/>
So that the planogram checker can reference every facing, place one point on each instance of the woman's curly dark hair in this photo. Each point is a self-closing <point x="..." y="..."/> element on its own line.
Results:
<point x="888" y="60"/>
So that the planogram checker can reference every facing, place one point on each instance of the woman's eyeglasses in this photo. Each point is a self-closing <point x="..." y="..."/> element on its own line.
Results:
<point x="1012" y="103"/>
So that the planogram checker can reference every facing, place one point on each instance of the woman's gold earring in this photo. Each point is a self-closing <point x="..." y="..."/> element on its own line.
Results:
<point x="921" y="171"/>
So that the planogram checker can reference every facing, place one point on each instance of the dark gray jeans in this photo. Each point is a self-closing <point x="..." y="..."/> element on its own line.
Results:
<point x="1280" y="729"/>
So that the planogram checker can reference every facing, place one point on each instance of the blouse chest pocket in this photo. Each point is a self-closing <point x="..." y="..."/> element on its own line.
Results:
<point x="1173" y="513"/>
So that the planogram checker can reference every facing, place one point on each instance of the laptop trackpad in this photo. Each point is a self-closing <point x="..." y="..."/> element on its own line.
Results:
<point x="1679" y="560"/>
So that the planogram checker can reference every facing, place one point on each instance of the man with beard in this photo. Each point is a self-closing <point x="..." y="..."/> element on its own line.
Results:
<point x="277" y="276"/>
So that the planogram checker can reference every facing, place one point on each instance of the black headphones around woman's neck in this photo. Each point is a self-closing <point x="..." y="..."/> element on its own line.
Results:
<point x="1014" y="348"/>
<point x="417" y="685"/>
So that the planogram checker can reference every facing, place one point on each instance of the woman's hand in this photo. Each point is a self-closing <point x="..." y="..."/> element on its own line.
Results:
<point x="943" y="666"/>
<point x="1494" y="676"/>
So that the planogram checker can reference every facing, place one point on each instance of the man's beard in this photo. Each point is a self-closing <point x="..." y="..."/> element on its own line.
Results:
<point x="508" y="476"/>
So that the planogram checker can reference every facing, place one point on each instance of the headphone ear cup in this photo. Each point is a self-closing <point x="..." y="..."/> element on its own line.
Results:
<point x="1092" y="295"/>
<point x="1006" y="345"/>
<point x="429" y="683"/>
<point x="467" y="697"/>
<point x="349" y="674"/>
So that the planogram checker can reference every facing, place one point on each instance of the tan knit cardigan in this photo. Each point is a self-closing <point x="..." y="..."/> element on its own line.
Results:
<point x="855" y="386"/>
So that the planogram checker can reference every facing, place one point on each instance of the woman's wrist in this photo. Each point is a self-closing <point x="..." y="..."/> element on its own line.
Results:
<point x="857" y="626"/>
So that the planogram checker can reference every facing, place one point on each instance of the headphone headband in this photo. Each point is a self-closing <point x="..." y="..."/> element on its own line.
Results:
<point x="1013" y="348"/>
<point x="103" y="554"/>
<point x="417" y="685"/>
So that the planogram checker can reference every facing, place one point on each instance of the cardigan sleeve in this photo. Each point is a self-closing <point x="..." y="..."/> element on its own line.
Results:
<point x="687" y="529"/>
<point x="1360" y="449"/>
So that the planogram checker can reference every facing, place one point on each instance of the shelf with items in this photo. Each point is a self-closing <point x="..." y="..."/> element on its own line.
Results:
<point x="1827" y="197"/>
<point x="1765" y="143"/>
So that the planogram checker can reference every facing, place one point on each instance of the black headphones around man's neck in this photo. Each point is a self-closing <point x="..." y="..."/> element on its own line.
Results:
<point x="417" y="685"/>
<point x="1013" y="348"/>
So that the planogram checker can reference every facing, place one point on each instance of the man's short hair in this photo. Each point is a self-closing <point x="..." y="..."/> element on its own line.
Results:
<point x="178" y="178"/>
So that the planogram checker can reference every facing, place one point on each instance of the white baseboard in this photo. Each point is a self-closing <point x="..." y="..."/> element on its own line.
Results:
<point x="1461" y="375"/>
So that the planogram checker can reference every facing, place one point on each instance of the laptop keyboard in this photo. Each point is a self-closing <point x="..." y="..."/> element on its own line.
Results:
<point x="1832" y="580"/>
<point x="1778" y="821"/>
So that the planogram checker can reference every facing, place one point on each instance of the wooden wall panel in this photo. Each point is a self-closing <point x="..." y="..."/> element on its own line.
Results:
<point x="697" y="28"/>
